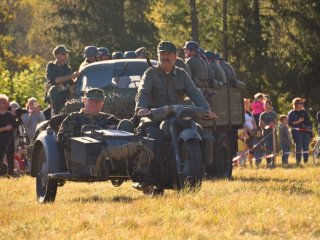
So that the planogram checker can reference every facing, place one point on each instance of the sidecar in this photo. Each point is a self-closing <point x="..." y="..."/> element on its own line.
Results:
<point x="117" y="152"/>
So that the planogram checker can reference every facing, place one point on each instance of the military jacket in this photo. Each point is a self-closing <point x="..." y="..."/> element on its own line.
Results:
<point x="55" y="70"/>
<point x="199" y="71"/>
<point x="229" y="71"/>
<point x="181" y="64"/>
<point x="158" y="89"/>
<point x="72" y="124"/>
<point x="218" y="72"/>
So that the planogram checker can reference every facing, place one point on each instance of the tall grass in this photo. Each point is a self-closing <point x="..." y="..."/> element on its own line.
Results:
<point x="256" y="204"/>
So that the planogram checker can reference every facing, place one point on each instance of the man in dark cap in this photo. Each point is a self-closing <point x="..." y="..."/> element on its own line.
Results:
<point x="103" y="53"/>
<point x="89" y="115"/>
<point x="162" y="85"/>
<point x="59" y="78"/>
<point x="91" y="55"/>
<point x="198" y="68"/>
<point x="166" y="84"/>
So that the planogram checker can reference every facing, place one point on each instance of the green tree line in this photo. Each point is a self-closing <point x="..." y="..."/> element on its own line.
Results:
<point x="272" y="44"/>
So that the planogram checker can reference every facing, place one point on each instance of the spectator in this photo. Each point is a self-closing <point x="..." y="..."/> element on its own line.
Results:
<point x="32" y="118"/>
<point x="250" y="127"/>
<point x="285" y="139"/>
<point x="267" y="122"/>
<point x="257" y="106"/>
<point x="241" y="147"/>
<point x="260" y="149"/>
<point x="301" y="129"/>
<point x="6" y="134"/>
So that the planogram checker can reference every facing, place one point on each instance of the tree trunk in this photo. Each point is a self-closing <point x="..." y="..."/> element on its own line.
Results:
<point x="225" y="29"/>
<point x="194" y="20"/>
<point x="257" y="28"/>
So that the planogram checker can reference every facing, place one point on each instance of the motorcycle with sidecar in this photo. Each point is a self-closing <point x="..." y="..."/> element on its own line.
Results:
<point x="169" y="156"/>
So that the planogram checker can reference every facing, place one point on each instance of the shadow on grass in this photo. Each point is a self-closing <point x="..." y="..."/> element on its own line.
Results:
<point x="101" y="199"/>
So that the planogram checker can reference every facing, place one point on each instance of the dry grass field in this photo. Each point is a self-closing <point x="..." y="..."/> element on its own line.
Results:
<point x="256" y="204"/>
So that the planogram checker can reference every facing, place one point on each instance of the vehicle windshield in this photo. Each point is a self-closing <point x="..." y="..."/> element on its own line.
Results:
<point x="119" y="74"/>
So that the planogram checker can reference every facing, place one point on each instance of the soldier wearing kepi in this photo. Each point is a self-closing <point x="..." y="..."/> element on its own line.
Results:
<point x="91" y="55"/>
<point x="198" y="68"/>
<point x="89" y="115"/>
<point x="163" y="85"/>
<point x="166" y="84"/>
<point x="59" y="78"/>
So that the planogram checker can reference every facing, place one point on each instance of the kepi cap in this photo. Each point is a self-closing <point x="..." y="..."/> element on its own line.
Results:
<point x="60" y="49"/>
<point x="166" y="46"/>
<point x="95" y="93"/>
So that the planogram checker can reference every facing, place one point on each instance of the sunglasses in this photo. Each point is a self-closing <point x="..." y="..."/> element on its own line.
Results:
<point x="301" y="103"/>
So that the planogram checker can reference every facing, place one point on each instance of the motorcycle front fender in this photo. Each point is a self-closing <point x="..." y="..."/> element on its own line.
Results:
<point x="189" y="133"/>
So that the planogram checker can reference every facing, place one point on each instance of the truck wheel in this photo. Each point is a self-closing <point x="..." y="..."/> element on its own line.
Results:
<point x="191" y="176"/>
<point x="46" y="187"/>
<point x="223" y="161"/>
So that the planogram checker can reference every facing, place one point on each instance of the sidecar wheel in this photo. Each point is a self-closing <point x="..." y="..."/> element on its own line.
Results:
<point x="191" y="176"/>
<point x="46" y="187"/>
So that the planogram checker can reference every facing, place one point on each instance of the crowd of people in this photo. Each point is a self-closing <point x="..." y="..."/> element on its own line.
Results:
<point x="17" y="128"/>
<point x="258" y="138"/>
<point x="201" y="69"/>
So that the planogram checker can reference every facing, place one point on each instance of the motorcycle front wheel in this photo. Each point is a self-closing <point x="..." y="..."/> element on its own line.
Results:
<point x="191" y="173"/>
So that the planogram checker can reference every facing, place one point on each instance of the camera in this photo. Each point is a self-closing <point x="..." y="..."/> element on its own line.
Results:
<point x="20" y="111"/>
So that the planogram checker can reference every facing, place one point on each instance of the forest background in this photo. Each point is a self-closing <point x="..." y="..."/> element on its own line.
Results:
<point x="274" y="45"/>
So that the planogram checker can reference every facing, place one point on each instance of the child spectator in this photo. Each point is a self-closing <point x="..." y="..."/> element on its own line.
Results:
<point x="241" y="147"/>
<point x="285" y="139"/>
<point x="259" y="150"/>
<point x="257" y="107"/>
<point x="268" y="121"/>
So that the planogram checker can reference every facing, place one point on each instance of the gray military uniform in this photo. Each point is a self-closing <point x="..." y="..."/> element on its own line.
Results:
<point x="181" y="64"/>
<point x="199" y="71"/>
<point x="218" y="72"/>
<point x="158" y="89"/>
<point x="229" y="72"/>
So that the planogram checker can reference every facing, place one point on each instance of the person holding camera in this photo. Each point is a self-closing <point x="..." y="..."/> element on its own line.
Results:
<point x="32" y="118"/>
<point x="301" y="129"/>
<point x="6" y="134"/>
